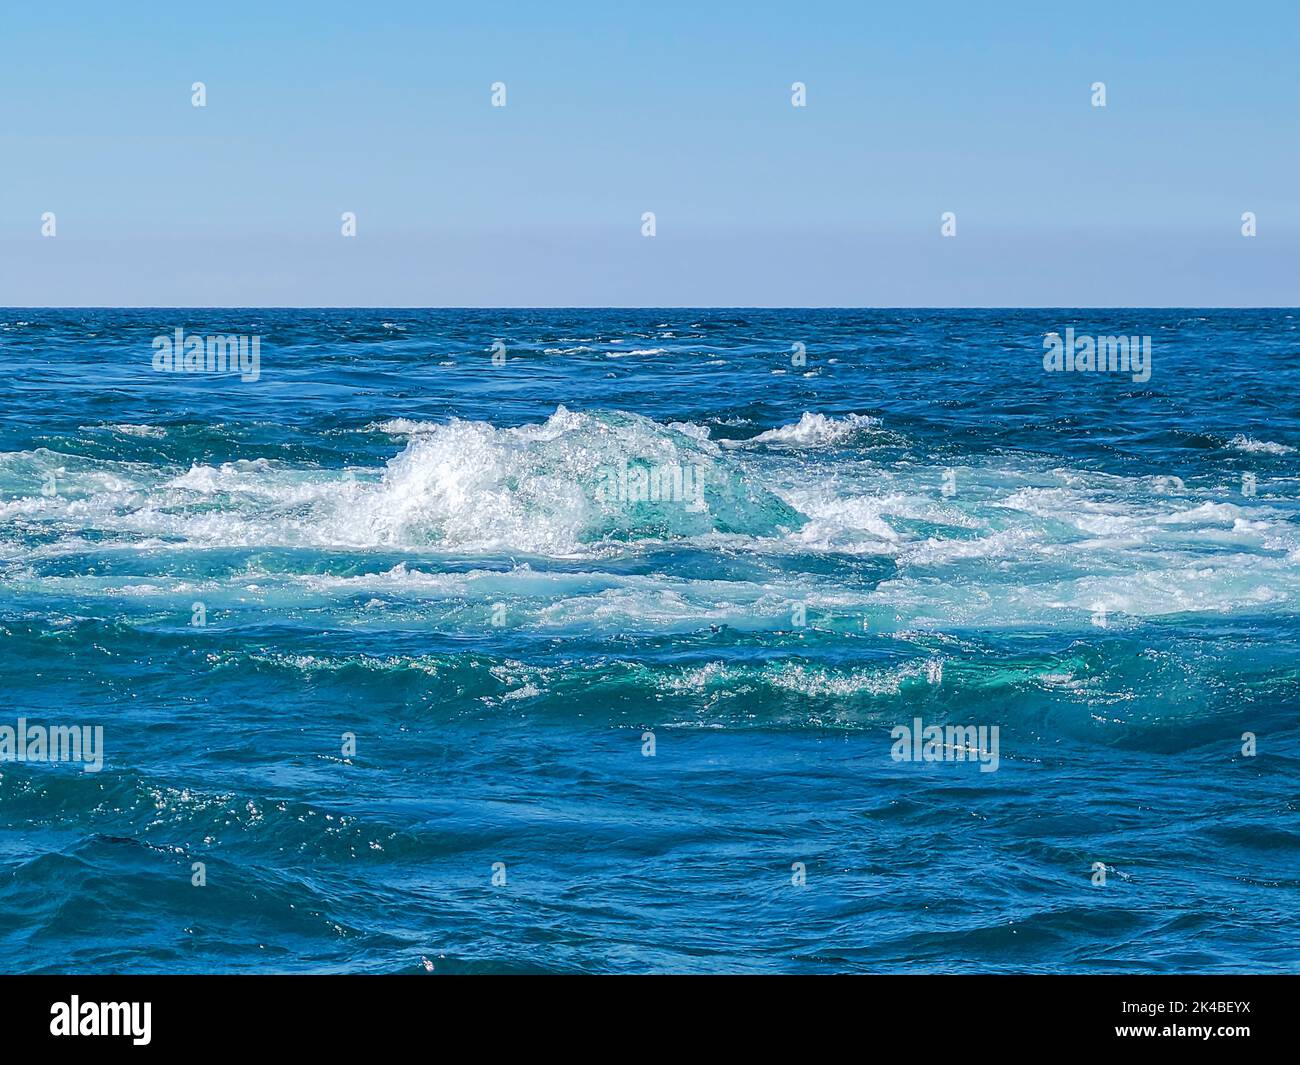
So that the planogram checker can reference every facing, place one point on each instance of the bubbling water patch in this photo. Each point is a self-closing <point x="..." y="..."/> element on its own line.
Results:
<point x="742" y="530"/>
<point x="555" y="489"/>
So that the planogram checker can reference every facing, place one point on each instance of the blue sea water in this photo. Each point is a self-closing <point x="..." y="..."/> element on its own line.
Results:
<point x="392" y="536"/>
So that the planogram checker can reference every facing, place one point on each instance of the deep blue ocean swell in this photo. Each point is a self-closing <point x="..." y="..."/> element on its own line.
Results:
<point x="390" y="535"/>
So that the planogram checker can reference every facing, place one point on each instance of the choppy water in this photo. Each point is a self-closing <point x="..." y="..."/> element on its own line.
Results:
<point x="390" y="536"/>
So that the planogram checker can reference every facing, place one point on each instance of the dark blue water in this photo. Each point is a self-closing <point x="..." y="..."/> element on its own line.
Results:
<point x="391" y="620"/>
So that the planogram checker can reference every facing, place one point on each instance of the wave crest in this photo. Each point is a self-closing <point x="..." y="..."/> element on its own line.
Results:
<point x="817" y="430"/>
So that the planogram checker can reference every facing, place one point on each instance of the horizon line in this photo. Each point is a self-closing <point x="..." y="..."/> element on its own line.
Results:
<point x="646" y="307"/>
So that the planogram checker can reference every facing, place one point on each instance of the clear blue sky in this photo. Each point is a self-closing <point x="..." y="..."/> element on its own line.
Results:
<point x="914" y="108"/>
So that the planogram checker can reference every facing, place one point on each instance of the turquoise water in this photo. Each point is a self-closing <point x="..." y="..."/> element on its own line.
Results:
<point x="390" y="536"/>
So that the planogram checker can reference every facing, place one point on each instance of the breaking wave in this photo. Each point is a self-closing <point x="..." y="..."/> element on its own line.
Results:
<point x="817" y="430"/>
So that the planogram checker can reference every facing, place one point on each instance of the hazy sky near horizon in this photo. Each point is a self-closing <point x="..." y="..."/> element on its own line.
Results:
<point x="683" y="109"/>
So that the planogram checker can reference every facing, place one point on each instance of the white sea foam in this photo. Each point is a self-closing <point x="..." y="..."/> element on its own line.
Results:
<point x="151" y="432"/>
<point x="817" y="430"/>
<point x="1016" y="545"/>
<point x="401" y="427"/>
<point x="1241" y="442"/>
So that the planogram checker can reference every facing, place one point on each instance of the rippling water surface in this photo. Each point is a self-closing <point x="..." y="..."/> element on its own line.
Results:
<point x="389" y="535"/>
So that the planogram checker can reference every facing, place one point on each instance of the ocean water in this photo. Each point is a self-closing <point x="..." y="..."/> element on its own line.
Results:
<point x="393" y="623"/>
